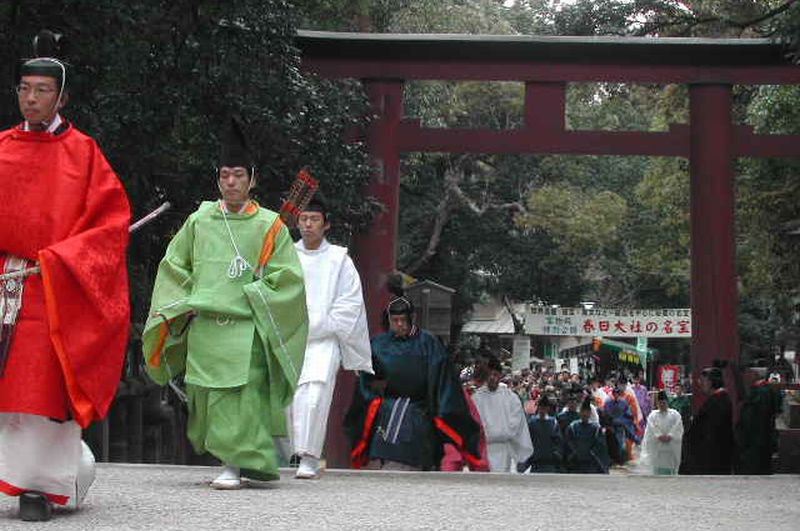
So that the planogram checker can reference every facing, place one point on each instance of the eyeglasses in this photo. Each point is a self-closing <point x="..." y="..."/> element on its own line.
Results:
<point x="24" y="90"/>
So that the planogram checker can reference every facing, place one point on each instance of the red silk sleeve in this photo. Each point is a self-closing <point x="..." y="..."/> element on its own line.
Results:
<point x="86" y="293"/>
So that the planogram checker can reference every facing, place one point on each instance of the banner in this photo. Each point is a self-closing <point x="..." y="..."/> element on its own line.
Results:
<point x="608" y="322"/>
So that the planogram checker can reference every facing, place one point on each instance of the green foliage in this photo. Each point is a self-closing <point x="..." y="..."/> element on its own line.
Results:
<point x="480" y="252"/>
<point x="463" y="104"/>
<point x="767" y="211"/>
<point x="406" y="16"/>
<point x="583" y="224"/>
<point x="612" y="107"/>
<point x="660" y="254"/>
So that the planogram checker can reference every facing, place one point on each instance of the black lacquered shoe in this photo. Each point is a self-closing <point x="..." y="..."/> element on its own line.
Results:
<point x="35" y="507"/>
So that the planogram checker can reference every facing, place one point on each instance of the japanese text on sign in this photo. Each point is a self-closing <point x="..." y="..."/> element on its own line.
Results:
<point x="609" y="322"/>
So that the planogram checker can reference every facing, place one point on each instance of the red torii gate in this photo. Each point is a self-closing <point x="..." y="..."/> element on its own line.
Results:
<point x="711" y="142"/>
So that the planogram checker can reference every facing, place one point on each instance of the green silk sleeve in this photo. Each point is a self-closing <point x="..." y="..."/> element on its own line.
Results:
<point x="164" y="336"/>
<point x="278" y="301"/>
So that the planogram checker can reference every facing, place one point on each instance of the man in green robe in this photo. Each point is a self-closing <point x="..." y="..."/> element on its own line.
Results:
<point x="229" y="310"/>
<point x="682" y="404"/>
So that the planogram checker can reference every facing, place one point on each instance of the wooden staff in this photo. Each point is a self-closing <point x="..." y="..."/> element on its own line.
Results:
<point x="35" y="270"/>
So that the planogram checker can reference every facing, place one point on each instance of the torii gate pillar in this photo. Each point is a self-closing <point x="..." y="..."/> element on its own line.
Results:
<point x="713" y="231"/>
<point x="375" y="251"/>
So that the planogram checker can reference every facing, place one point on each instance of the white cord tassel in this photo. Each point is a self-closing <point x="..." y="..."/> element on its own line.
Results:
<point x="238" y="265"/>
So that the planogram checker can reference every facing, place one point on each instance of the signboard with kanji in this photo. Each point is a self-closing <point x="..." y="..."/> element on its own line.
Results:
<point x="608" y="322"/>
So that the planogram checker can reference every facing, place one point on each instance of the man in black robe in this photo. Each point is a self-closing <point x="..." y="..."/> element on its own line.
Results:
<point x="756" y="436"/>
<point x="710" y="436"/>
<point x="403" y="414"/>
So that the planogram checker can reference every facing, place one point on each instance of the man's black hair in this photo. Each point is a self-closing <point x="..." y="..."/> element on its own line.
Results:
<point x="493" y="364"/>
<point x="715" y="374"/>
<point x="317" y="204"/>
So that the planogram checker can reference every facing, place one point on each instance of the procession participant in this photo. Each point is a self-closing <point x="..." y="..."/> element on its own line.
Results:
<point x="710" y="436"/>
<point x="569" y="414"/>
<point x="609" y="385"/>
<point x="402" y="415"/>
<point x="622" y="425"/>
<point x="681" y="403"/>
<point x="337" y="333"/>
<point x="546" y="440"/>
<point x="64" y="330"/>
<point x="453" y="459"/>
<point x="642" y="395"/>
<point x="229" y="309"/>
<point x="663" y="437"/>
<point x="598" y="392"/>
<point x="639" y="420"/>
<point x="507" y="438"/>
<point x="756" y="437"/>
<point x="585" y="444"/>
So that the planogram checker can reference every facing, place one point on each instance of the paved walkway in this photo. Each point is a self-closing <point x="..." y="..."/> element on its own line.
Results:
<point x="178" y="498"/>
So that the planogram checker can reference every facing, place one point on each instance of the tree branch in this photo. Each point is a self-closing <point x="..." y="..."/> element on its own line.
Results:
<point x="443" y="210"/>
<point x="766" y="16"/>
<point x="694" y="21"/>
<point x="453" y="177"/>
<point x="515" y="206"/>
<point x="687" y="23"/>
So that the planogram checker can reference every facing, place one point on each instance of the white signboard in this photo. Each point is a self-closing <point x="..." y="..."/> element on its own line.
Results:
<point x="608" y="322"/>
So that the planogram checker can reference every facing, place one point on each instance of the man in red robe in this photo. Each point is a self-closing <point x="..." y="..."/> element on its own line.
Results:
<point x="64" y="327"/>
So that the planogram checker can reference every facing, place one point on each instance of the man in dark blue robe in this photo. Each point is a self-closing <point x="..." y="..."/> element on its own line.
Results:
<point x="585" y="450"/>
<point x="403" y="414"/>
<point x="622" y="425"/>
<point x="546" y="439"/>
<point x="569" y="414"/>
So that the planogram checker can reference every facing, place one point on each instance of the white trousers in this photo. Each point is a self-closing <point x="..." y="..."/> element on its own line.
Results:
<point x="500" y="457"/>
<point x="309" y="414"/>
<point x="38" y="454"/>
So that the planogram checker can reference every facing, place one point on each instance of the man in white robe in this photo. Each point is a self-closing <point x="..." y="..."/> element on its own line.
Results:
<point x="337" y="334"/>
<point x="599" y="396"/>
<point x="507" y="437"/>
<point x="661" y="447"/>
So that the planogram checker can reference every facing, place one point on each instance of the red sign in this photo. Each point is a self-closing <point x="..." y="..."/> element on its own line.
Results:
<point x="669" y="376"/>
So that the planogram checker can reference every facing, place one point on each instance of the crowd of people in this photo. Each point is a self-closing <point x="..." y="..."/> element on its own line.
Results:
<point x="589" y="424"/>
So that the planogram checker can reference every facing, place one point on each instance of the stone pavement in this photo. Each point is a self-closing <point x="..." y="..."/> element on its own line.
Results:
<point x="173" y="497"/>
